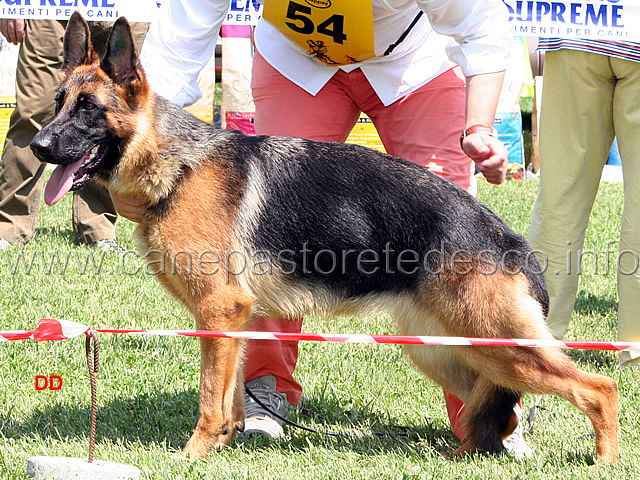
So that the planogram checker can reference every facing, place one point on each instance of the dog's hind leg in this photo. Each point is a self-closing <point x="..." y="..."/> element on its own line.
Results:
<point x="441" y="363"/>
<point x="508" y="370"/>
<point x="501" y="306"/>
<point x="489" y="418"/>
<point x="221" y="398"/>
<point x="548" y="371"/>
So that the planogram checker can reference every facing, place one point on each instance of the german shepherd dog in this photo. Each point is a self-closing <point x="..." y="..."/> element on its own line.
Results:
<point x="297" y="227"/>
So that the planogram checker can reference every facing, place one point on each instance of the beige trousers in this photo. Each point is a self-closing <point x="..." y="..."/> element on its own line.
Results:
<point x="587" y="99"/>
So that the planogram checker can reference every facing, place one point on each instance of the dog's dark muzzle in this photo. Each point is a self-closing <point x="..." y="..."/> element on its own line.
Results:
<point x="42" y="146"/>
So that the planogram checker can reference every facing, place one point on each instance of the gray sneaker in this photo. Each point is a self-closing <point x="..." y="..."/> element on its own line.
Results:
<point x="515" y="443"/>
<point x="4" y="244"/>
<point x="109" y="245"/>
<point x="258" y="421"/>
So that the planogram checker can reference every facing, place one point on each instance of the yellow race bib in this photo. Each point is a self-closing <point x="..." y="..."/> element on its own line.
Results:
<point x="333" y="32"/>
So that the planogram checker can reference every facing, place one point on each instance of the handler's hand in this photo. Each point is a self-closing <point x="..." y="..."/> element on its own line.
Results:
<point x="131" y="208"/>
<point x="13" y="29"/>
<point x="489" y="154"/>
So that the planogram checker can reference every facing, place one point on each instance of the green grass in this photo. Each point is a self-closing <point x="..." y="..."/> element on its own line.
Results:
<point x="147" y="386"/>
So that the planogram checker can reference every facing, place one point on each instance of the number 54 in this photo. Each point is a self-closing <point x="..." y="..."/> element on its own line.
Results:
<point x="332" y="26"/>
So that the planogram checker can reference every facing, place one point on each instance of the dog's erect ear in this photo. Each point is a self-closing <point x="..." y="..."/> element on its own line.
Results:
<point x="120" y="60"/>
<point x="77" y="48"/>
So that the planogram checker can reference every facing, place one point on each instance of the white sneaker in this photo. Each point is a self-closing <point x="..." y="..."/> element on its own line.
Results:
<point x="109" y="245"/>
<point x="515" y="443"/>
<point x="629" y="360"/>
<point x="258" y="420"/>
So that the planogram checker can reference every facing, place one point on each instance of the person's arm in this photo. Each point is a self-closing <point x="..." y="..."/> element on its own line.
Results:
<point x="13" y="29"/>
<point x="480" y="30"/>
<point x="489" y="154"/>
<point x="179" y="44"/>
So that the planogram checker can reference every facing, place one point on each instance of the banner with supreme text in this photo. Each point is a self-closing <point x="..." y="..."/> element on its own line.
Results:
<point x="615" y="20"/>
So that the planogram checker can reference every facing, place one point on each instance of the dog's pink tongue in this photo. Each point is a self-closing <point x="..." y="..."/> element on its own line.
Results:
<point x="60" y="182"/>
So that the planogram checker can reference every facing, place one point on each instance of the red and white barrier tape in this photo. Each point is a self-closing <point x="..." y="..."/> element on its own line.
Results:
<point x="50" y="329"/>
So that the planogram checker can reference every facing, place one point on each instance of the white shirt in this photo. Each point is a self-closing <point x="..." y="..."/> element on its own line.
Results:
<point x="182" y="40"/>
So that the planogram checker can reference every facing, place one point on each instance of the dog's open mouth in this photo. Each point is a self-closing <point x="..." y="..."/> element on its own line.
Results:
<point x="73" y="176"/>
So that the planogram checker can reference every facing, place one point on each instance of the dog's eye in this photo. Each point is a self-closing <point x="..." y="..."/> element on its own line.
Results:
<point x="85" y="102"/>
<point x="59" y="100"/>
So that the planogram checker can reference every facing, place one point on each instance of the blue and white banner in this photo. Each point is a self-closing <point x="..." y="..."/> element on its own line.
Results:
<point x="241" y="12"/>
<point x="106" y="10"/>
<point x="244" y="12"/>
<point x="616" y="20"/>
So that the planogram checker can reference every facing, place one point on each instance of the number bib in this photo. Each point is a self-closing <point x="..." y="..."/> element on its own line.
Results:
<point x="333" y="32"/>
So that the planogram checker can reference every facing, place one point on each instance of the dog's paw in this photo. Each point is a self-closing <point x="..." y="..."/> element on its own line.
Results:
<point x="192" y="451"/>
<point x="198" y="445"/>
<point x="201" y="443"/>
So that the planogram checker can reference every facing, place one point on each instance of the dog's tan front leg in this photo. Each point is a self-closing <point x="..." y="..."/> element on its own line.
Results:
<point x="221" y="379"/>
<point x="220" y="417"/>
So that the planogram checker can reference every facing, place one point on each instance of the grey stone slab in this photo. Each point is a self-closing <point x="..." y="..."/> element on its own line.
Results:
<point x="65" y="468"/>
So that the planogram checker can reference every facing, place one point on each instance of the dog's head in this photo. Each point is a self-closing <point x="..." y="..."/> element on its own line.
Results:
<point x="95" y="107"/>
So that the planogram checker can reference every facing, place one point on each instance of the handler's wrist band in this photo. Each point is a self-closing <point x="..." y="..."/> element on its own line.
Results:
<point x="478" y="129"/>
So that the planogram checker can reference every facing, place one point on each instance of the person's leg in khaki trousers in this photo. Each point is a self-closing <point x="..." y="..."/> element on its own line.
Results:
<point x="21" y="174"/>
<point x="587" y="99"/>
